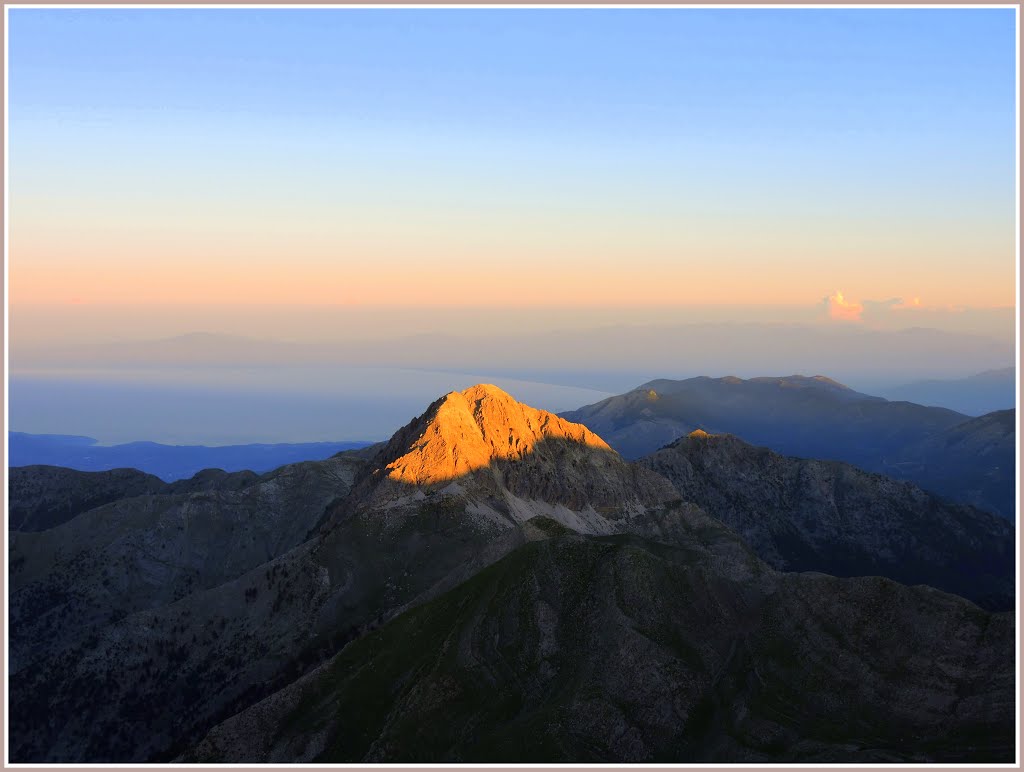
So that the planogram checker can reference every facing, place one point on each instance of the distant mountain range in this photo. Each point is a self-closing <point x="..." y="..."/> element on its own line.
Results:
<point x="971" y="462"/>
<point x="168" y="462"/>
<point x="816" y="417"/>
<point x="496" y="584"/>
<point x="982" y="393"/>
<point x="571" y="356"/>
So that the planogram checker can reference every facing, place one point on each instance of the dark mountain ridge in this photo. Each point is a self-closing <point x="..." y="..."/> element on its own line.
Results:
<point x="807" y="515"/>
<point x="133" y="636"/>
<point x="163" y="634"/>
<point x="42" y="497"/>
<point x="46" y="496"/>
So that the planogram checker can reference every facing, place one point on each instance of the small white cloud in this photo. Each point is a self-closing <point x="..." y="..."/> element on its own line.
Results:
<point x="842" y="309"/>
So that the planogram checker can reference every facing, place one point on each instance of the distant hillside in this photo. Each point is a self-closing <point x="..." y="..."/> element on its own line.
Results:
<point x="811" y="417"/>
<point x="808" y="417"/>
<point x="806" y="515"/>
<point x="168" y="462"/>
<point x="973" y="462"/>
<point x="817" y="418"/>
<point x="42" y="497"/>
<point x="979" y="394"/>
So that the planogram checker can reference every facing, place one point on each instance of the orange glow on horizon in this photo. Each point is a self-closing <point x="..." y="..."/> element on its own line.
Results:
<point x="497" y="283"/>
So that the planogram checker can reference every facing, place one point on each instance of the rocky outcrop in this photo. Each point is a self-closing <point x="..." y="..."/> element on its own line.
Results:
<point x="512" y="460"/>
<point x="468" y="430"/>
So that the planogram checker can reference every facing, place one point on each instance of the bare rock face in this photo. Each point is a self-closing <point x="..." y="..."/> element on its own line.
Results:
<point x="468" y="430"/>
<point x="514" y="460"/>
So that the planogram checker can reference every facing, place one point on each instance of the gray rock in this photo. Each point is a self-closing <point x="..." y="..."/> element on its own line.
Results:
<point x="802" y="515"/>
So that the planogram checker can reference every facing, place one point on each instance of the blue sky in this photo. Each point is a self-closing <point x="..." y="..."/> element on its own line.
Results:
<point x="870" y="150"/>
<point x="700" y="72"/>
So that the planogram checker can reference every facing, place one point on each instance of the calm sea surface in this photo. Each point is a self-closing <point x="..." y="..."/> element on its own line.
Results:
<point x="218" y="406"/>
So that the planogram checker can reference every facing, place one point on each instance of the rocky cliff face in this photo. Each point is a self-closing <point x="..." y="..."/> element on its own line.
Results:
<point x="802" y="515"/>
<point x="467" y="431"/>
<point x="140" y="625"/>
<point x="506" y="462"/>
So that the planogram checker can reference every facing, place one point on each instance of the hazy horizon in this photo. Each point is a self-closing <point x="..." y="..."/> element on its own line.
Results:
<point x="34" y="325"/>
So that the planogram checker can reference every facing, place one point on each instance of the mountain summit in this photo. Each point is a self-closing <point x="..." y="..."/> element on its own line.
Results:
<point x="468" y="430"/>
<point x="507" y="462"/>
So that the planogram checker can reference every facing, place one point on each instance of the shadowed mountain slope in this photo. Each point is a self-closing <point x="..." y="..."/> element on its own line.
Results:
<point x="973" y="461"/>
<point x="615" y="649"/>
<point x="802" y="515"/>
<point x="42" y="497"/>
<point x="70" y="582"/>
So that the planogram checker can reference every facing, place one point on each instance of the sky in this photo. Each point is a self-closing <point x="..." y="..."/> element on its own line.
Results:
<point x="858" y="162"/>
<point x="377" y="206"/>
